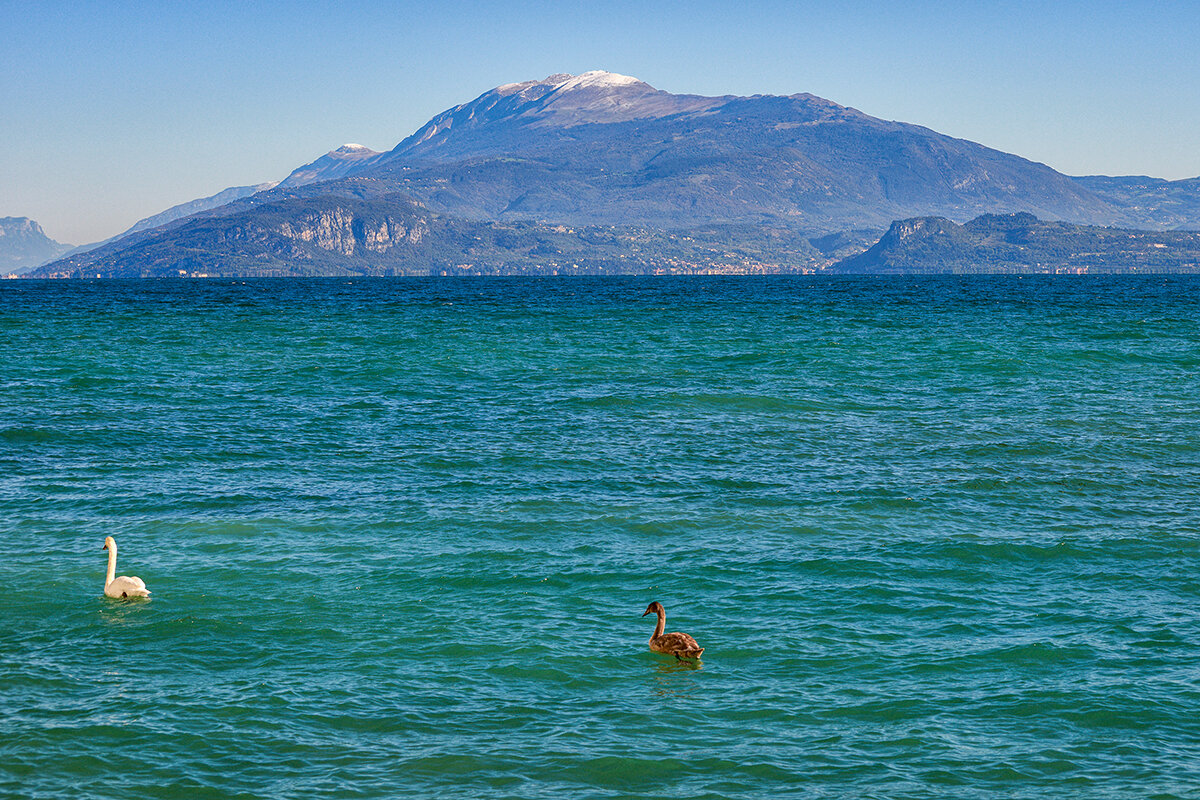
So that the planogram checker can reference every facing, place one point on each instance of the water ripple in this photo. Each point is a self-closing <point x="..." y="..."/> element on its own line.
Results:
<point x="937" y="537"/>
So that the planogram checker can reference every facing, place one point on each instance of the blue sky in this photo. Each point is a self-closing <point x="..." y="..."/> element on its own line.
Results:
<point x="113" y="111"/>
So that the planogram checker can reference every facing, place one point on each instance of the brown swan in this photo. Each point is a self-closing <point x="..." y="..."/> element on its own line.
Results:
<point x="679" y="645"/>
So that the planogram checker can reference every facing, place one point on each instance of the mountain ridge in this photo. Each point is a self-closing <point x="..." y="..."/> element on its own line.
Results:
<point x="603" y="149"/>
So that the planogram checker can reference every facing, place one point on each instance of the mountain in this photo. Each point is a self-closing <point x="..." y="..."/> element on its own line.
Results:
<point x="335" y="164"/>
<point x="1021" y="243"/>
<point x="24" y="245"/>
<point x="602" y="150"/>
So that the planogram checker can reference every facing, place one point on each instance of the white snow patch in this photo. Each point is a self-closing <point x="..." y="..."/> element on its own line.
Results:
<point x="597" y="78"/>
<point x="566" y="82"/>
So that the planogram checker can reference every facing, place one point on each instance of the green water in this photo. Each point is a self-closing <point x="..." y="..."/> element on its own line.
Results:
<point x="938" y="537"/>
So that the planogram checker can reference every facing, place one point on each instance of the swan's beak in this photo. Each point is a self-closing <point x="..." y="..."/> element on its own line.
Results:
<point x="646" y="612"/>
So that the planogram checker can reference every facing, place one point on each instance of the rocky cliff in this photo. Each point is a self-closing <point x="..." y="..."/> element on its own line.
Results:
<point x="24" y="245"/>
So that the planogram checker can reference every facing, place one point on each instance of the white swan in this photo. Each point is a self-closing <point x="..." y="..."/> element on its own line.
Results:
<point x="123" y="586"/>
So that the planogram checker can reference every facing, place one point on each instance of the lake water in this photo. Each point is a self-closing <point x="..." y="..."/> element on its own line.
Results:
<point x="939" y="538"/>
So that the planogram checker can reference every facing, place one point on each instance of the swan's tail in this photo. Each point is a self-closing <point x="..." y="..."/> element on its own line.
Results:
<point x="695" y="653"/>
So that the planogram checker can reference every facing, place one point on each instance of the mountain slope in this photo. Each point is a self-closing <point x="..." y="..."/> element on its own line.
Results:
<point x="221" y="198"/>
<point x="334" y="164"/>
<point x="345" y="160"/>
<point x="1150" y="202"/>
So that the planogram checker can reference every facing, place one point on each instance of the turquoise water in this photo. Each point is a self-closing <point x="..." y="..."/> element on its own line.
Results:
<point x="939" y="538"/>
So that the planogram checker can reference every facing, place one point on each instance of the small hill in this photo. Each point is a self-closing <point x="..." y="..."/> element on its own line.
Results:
<point x="1021" y="243"/>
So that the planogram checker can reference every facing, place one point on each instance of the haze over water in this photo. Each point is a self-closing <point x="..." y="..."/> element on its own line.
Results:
<point x="938" y="537"/>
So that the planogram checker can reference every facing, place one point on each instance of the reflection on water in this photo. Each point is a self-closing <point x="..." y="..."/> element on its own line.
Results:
<point x="675" y="678"/>
<point x="124" y="610"/>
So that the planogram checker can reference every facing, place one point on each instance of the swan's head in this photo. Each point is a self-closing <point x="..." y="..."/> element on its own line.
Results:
<point x="654" y="608"/>
<point x="109" y="543"/>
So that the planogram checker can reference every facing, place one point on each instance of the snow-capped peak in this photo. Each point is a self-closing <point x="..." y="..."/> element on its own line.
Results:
<point x="352" y="148"/>
<point x="334" y="164"/>
<point x="597" y="78"/>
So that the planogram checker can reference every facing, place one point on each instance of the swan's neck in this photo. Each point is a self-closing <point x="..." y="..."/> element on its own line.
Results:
<point x="658" y="629"/>
<point x="112" y="565"/>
